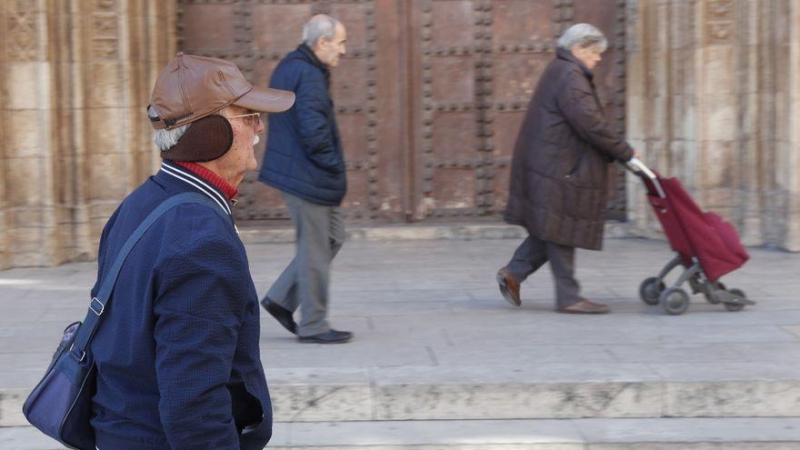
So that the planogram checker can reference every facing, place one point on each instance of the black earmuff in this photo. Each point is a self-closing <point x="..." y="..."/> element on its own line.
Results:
<point x="205" y="140"/>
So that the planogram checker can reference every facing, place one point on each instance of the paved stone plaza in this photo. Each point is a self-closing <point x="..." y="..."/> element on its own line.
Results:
<point x="441" y="361"/>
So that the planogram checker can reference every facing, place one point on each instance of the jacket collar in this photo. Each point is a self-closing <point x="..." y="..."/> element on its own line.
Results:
<point x="567" y="55"/>
<point x="228" y="189"/>
<point x="183" y="179"/>
<point x="308" y="54"/>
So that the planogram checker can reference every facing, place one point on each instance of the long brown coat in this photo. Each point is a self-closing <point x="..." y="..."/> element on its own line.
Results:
<point x="559" y="169"/>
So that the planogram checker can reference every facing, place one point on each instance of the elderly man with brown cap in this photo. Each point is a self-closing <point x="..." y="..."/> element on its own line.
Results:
<point x="177" y="351"/>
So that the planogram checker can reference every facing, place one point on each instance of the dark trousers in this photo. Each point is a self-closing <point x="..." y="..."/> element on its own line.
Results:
<point x="533" y="253"/>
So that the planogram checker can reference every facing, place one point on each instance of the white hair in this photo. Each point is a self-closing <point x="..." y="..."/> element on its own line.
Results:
<point x="583" y="35"/>
<point x="166" y="139"/>
<point x="319" y="26"/>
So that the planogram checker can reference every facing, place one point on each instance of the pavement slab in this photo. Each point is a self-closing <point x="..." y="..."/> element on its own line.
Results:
<point x="435" y="340"/>
<point x="581" y="434"/>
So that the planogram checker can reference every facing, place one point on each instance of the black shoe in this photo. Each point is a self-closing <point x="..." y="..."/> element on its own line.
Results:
<point x="329" y="337"/>
<point x="281" y="314"/>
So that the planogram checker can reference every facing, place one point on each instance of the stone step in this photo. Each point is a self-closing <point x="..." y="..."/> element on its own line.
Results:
<point x="552" y="391"/>
<point x="577" y="434"/>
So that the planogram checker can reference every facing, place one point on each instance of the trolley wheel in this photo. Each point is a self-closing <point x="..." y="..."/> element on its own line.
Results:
<point x="650" y="289"/>
<point x="734" y="307"/>
<point x="674" y="300"/>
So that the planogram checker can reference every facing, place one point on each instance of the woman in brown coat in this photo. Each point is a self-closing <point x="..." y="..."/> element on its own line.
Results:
<point x="559" y="172"/>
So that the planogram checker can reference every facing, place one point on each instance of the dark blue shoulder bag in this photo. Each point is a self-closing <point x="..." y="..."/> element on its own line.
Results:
<point x="61" y="404"/>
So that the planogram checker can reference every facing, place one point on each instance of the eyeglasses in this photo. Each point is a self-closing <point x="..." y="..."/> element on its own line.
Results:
<point x="249" y="118"/>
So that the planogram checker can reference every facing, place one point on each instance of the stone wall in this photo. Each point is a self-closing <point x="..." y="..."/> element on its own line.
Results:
<point x="74" y="137"/>
<point x="712" y="99"/>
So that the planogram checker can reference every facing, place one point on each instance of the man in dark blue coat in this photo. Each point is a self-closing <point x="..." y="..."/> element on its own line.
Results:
<point x="304" y="160"/>
<point x="177" y="350"/>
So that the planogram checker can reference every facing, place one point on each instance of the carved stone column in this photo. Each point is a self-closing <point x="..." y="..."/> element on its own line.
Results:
<point x="711" y="94"/>
<point x="27" y="168"/>
<point x="77" y="77"/>
<point x="121" y="48"/>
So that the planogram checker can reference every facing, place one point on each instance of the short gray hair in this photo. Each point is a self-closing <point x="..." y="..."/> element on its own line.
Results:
<point x="582" y="35"/>
<point x="319" y="26"/>
<point x="166" y="139"/>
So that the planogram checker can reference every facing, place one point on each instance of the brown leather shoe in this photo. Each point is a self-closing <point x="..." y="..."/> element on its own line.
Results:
<point x="509" y="287"/>
<point x="585" y="306"/>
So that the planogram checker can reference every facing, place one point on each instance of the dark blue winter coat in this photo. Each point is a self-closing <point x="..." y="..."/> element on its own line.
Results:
<point x="177" y="351"/>
<point x="303" y="154"/>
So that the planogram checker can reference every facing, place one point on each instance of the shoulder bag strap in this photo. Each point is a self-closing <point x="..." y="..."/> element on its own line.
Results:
<point x="99" y="303"/>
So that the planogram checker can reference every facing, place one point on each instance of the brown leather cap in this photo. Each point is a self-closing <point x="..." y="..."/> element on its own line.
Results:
<point x="192" y="87"/>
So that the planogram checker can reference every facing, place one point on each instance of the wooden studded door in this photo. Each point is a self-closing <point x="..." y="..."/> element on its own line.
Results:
<point x="429" y="98"/>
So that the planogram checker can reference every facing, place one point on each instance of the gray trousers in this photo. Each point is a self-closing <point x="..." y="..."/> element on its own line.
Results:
<point x="305" y="281"/>
<point x="533" y="253"/>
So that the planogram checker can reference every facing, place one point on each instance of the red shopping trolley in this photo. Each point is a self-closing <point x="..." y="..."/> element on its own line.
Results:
<point x="707" y="247"/>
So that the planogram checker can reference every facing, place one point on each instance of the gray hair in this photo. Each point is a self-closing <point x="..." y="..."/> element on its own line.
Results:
<point x="319" y="26"/>
<point x="582" y="35"/>
<point x="166" y="139"/>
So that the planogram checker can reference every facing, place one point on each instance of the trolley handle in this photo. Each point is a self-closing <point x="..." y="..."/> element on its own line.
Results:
<point x="638" y="168"/>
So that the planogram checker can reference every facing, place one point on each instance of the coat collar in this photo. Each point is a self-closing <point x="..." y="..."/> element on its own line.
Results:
<point x="567" y="55"/>
<point x="228" y="189"/>
<point x="181" y="179"/>
<point x="308" y="54"/>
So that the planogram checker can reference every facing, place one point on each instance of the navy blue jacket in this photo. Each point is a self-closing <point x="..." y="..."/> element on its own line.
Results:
<point x="303" y="154"/>
<point x="177" y="351"/>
